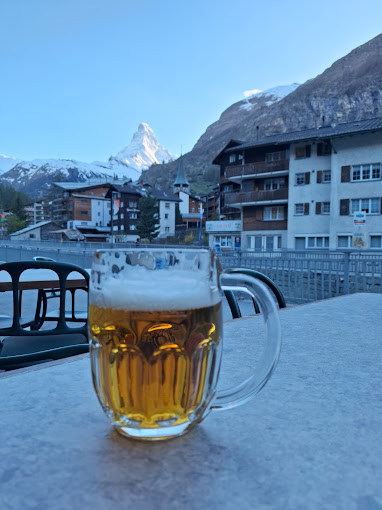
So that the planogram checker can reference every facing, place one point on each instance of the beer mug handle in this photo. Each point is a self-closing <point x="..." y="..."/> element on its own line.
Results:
<point x="243" y="392"/>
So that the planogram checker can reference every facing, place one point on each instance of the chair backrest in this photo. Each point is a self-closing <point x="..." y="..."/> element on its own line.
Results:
<point x="235" y="310"/>
<point x="15" y="269"/>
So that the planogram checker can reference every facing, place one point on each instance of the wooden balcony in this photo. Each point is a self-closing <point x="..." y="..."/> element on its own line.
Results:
<point x="251" y="197"/>
<point x="256" y="168"/>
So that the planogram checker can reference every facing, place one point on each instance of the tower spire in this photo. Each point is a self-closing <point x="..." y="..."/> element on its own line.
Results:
<point x="181" y="183"/>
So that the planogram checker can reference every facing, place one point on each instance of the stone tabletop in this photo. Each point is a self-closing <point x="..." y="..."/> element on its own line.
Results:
<point x="312" y="439"/>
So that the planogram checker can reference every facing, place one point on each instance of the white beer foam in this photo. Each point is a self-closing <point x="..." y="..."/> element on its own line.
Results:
<point x="140" y="289"/>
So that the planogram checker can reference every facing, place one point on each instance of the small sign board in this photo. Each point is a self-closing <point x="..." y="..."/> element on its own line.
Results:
<point x="359" y="218"/>
<point x="358" y="240"/>
<point x="223" y="226"/>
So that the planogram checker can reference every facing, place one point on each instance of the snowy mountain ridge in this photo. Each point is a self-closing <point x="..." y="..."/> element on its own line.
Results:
<point x="143" y="151"/>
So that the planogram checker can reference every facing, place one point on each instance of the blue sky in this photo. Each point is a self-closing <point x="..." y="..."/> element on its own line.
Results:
<point x="78" y="76"/>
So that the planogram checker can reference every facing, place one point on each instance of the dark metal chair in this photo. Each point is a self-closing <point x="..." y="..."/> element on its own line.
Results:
<point x="24" y="344"/>
<point x="232" y="302"/>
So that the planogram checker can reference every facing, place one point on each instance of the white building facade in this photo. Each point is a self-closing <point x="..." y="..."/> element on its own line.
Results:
<point x="326" y="191"/>
<point x="166" y="218"/>
<point x="312" y="189"/>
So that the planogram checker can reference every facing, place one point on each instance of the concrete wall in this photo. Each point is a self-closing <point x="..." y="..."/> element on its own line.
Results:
<point x="312" y="223"/>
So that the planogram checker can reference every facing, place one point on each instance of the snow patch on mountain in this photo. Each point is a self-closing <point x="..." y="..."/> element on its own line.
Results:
<point x="275" y="94"/>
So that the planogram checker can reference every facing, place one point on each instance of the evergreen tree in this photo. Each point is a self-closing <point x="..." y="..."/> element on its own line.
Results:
<point x="17" y="206"/>
<point x="14" y="223"/>
<point x="147" y="224"/>
<point x="178" y="216"/>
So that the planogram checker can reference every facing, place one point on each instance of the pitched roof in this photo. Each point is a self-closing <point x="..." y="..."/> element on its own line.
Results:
<point x="157" y="193"/>
<point x="348" y="128"/>
<point x="80" y="185"/>
<point x="33" y="227"/>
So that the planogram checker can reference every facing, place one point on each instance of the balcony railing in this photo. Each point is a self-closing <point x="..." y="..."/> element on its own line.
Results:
<point x="256" y="196"/>
<point x="257" y="168"/>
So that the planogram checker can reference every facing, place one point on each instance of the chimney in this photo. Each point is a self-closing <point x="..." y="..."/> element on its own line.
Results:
<point x="257" y="132"/>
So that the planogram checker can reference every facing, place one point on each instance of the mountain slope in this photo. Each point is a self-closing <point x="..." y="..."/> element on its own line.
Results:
<point x="351" y="89"/>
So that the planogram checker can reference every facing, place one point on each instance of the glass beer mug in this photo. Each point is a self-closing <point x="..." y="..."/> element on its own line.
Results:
<point x="155" y="323"/>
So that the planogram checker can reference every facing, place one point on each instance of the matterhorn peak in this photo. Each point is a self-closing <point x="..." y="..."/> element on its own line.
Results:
<point x="143" y="150"/>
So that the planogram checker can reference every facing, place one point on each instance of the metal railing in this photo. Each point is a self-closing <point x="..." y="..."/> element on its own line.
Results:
<point x="305" y="276"/>
<point x="302" y="276"/>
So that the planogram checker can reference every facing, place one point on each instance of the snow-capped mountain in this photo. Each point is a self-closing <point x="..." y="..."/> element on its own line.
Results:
<point x="143" y="150"/>
<point x="32" y="176"/>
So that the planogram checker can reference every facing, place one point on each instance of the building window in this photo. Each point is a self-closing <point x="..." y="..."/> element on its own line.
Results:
<point x="167" y="229"/>
<point x="166" y="216"/>
<point x="376" y="241"/>
<point x="368" y="205"/>
<point x="99" y="214"/>
<point x="83" y="213"/>
<point x="133" y="205"/>
<point x="298" y="209"/>
<point x="370" y="172"/>
<point x="275" y="156"/>
<point x="344" y="241"/>
<point x="326" y="175"/>
<point x="325" y="207"/>
<point x="133" y="215"/>
<point x="270" y="184"/>
<point x="274" y="213"/>
<point x="300" y="179"/>
<point x="32" y="236"/>
<point x="303" y="152"/>
<point x="318" y="242"/>
<point x="224" y="241"/>
<point x="240" y="157"/>
<point x="232" y="158"/>
<point x="324" y="148"/>
<point x="132" y="227"/>
<point x="84" y="201"/>
<point x="167" y="205"/>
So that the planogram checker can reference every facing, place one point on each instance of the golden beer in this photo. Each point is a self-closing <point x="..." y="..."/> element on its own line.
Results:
<point x="154" y="369"/>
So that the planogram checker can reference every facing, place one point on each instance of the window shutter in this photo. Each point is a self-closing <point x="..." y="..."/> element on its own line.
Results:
<point x="318" y="207"/>
<point x="306" y="208"/>
<point x="319" y="176"/>
<point x="307" y="151"/>
<point x="319" y="149"/>
<point x="344" y="207"/>
<point x="259" y="213"/>
<point x="307" y="176"/>
<point x="345" y="174"/>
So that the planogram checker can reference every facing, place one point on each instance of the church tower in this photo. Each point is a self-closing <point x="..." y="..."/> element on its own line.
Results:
<point x="181" y="183"/>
